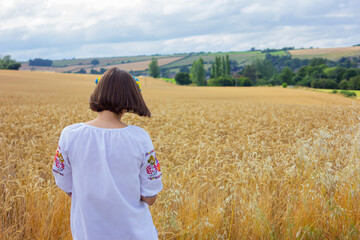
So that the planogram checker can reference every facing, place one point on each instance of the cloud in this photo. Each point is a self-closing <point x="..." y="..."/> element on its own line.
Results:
<point x="62" y="29"/>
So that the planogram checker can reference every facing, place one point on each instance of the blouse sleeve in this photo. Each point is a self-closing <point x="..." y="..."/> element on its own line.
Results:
<point x="150" y="173"/>
<point x="62" y="167"/>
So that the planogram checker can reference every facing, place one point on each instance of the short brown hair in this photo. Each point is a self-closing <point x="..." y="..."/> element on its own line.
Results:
<point x="117" y="91"/>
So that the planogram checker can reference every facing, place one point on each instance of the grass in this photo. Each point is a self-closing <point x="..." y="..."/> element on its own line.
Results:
<point x="238" y="163"/>
<point x="170" y="80"/>
<point x="338" y="90"/>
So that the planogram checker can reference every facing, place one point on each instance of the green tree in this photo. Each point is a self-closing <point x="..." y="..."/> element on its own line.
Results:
<point x="317" y="71"/>
<point x="343" y="84"/>
<point x="264" y="68"/>
<point x="198" y="72"/>
<point x="275" y="80"/>
<point x="217" y="67"/>
<point x="225" y="81"/>
<point x="223" y="66"/>
<point x="212" y="72"/>
<point x="221" y="81"/>
<point x="93" y="71"/>
<point x="154" y="68"/>
<point x="40" y="62"/>
<point x="250" y="72"/>
<point x="315" y="83"/>
<point x="349" y="73"/>
<point x="95" y="62"/>
<point x="337" y="73"/>
<point x="354" y="83"/>
<point x="330" y="84"/>
<point x="182" y="78"/>
<point x="317" y="61"/>
<point x="7" y="63"/>
<point x="83" y="71"/>
<point x="244" y="81"/>
<point x="227" y="66"/>
<point x="302" y="72"/>
<point x="287" y="75"/>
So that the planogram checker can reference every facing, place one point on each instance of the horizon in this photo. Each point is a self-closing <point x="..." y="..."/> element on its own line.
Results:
<point x="170" y="54"/>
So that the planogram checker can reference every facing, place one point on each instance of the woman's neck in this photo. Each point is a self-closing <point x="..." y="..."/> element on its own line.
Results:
<point x="107" y="119"/>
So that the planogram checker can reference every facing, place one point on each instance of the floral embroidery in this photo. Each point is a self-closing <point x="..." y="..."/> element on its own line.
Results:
<point x="59" y="160"/>
<point x="156" y="177"/>
<point x="148" y="153"/>
<point x="157" y="167"/>
<point x="58" y="172"/>
<point x="153" y="168"/>
<point x="151" y="160"/>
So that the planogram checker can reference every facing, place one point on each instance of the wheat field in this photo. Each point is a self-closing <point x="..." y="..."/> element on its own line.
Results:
<point x="238" y="163"/>
<point x="328" y="53"/>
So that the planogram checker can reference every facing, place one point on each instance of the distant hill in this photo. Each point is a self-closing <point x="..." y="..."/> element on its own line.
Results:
<point x="328" y="53"/>
<point x="172" y="63"/>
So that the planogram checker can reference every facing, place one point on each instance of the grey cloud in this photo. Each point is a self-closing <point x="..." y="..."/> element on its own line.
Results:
<point x="162" y="23"/>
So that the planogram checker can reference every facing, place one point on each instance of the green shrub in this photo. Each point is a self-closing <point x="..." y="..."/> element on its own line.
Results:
<point x="244" y="81"/>
<point x="334" y="91"/>
<point x="354" y="83"/>
<point x="348" y="93"/>
<point x="344" y="84"/>
<point x="221" y="81"/>
<point x="182" y="78"/>
<point x="284" y="85"/>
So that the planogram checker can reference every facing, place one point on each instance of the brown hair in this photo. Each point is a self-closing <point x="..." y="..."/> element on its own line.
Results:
<point x="117" y="91"/>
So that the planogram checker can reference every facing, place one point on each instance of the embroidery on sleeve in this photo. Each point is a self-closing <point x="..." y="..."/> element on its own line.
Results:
<point x="153" y="168"/>
<point x="148" y="153"/>
<point x="59" y="162"/>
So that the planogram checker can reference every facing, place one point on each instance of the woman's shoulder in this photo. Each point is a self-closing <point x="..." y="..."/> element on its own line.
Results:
<point x="73" y="128"/>
<point x="138" y="130"/>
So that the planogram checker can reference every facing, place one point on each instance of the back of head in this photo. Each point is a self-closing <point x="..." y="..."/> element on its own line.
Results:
<point x="117" y="91"/>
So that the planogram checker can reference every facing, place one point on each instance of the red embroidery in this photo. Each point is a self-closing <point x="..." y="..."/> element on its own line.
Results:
<point x="59" y="160"/>
<point x="153" y="168"/>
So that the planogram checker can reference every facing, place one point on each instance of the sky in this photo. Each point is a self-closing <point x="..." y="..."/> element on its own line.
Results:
<point x="54" y="29"/>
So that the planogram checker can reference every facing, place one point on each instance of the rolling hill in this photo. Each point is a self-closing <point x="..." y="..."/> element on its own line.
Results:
<point x="174" y="62"/>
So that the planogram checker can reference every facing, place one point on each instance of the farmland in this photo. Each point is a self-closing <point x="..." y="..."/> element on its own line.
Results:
<point x="127" y="64"/>
<point x="329" y="53"/>
<point x="240" y="57"/>
<point x="238" y="163"/>
<point x="175" y="61"/>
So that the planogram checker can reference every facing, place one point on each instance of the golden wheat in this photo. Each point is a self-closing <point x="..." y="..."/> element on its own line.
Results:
<point x="238" y="163"/>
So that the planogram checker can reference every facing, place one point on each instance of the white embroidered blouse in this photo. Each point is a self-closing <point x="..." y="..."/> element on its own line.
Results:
<point x="107" y="170"/>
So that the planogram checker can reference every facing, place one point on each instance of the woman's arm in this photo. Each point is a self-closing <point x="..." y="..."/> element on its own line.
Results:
<point x="149" y="200"/>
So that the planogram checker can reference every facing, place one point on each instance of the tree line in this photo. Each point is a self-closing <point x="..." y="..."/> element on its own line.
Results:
<point x="40" y="62"/>
<point x="272" y="70"/>
<point x="7" y="63"/>
<point x="316" y="73"/>
<point x="220" y="73"/>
